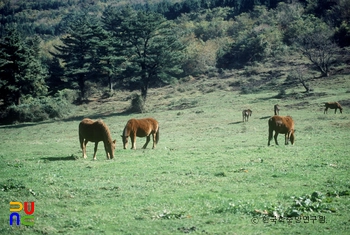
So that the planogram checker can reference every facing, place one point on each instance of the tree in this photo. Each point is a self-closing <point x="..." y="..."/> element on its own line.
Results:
<point x="297" y="76"/>
<point x="78" y="52"/>
<point x="316" y="44"/>
<point x="152" y="50"/>
<point x="21" y="71"/>
<point x="110" y="48"/>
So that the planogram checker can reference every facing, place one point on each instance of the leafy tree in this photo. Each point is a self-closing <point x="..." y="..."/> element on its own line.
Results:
<point x="21" y="71"/>
<point x="150" y="45"/>
<point x="78" y="52"/>
<point x="315" y="42"/>
<point x="255" y="38"/>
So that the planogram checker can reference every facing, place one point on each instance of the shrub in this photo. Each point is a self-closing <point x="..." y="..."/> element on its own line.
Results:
<point x="36" y="110"/>
<point x="137" y="104"/>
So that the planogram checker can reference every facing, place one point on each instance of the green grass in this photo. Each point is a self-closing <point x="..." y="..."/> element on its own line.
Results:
<point x="210" y="173"/>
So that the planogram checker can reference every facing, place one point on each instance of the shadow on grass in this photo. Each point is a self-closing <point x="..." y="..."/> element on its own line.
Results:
<point x="53" y="159"/>
<point x="232" y="123"/>
<point x="265" y="117"/>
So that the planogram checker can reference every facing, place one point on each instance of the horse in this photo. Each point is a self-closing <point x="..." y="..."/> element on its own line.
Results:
<point x="246" y="113"/>
<point x="333" y="105"/>
<point x="276" y="109"/>
<point x="96" y="131"/>
<point x="283" y="125"/>
<point x="141" y="128"/>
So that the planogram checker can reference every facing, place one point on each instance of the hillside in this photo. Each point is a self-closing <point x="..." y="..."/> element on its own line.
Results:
<point x="56" y="54"/>
<point x="210" y="172"/>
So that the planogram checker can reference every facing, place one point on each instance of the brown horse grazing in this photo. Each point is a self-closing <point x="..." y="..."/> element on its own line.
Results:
<point x="96" y="131"/>
<point x="283" y="125"/>
<point x="333" y="105"/>
<point x="276" y="109"/>
<point x="141" y="128"/>
<point x="246" y="113"/>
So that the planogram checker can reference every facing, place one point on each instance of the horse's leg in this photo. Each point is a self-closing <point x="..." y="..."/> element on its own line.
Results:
<point x="133" y="141"/>
<point x="286" y="136"/>
<point x="147" y="141"/>
<point x="276" y="134"/>
<point x="95" y="150"/>
<point x="83" y="146"/>
<point x="335" y="110"/>
<point x="325" y="110"/>
<point x="154" y="140"/>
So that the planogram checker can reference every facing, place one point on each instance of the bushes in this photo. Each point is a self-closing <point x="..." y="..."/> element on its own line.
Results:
<point x="137" y="104"/>
<point x="35" y="110"/>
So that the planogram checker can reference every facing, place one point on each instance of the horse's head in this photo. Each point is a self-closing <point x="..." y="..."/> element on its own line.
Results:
<point x="125" y="141"/>
<point x="110" y="149"/>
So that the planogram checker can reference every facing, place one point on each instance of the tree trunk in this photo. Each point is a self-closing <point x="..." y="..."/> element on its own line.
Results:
<point x="110" y="83"/>
<point x="81" y="83"/>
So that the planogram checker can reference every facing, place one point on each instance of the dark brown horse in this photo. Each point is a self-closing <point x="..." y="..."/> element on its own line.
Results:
<point x="276" y="109"/>
<point x="283" y="125"/>
<point x="141" y="128"/>
<point x="333" y="105"/>
<point x="95" y="131"/>
<point x="246" y="114"/>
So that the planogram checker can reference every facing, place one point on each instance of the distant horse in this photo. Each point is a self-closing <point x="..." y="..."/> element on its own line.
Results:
<point x="333" y="105"/>
<point x="276" y="109"/>
<point x="96" y="131"/>
<point x="283" y="125"/>
<point x="141" y="128"/>
<point x="246" y="113"/>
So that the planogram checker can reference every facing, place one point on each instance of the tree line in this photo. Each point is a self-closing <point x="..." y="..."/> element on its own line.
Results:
<point x="141" y="46"/>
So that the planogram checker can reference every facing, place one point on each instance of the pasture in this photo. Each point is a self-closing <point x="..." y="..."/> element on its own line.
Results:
<point x="209" y="174"/>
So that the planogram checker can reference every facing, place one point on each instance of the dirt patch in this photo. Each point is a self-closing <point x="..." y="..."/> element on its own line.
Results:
<point x="182" y="106"/>
<point x="300" y="105"/>
<point x="344" y="103"/>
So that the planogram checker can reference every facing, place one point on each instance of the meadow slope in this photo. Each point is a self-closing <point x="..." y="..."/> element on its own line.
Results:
<point x="210" y="173"/>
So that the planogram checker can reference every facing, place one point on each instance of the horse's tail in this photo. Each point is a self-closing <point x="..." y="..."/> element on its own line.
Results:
<point x="157" y="135"/>
<point x="81" y="138"/>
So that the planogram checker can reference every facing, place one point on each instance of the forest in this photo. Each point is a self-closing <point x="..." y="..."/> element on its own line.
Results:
<point x="56" y="53"/>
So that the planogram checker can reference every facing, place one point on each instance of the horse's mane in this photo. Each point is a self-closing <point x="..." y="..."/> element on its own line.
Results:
<point x="105" y="130"/>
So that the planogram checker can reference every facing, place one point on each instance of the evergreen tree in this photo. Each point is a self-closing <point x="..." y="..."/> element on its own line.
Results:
<point x="150" y="45"/>
<point x="21" y="71"/>
<point x="109" y="50"/>
<point x="78" y="52"/>
<point x="56" y="80"/>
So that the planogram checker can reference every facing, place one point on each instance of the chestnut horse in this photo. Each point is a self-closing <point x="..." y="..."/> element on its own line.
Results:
<point x="333" y="105"/>
<point x="246" y="113"/>
<point x="141" y="128"/>
<point x="283" y="125"/>
<point x="276" y="109"/>
<point x="96" y="131"/>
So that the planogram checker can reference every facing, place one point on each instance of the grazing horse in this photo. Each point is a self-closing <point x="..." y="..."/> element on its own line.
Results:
<point x="276" y="109"/>
<point x="141" y="128"/>
<point x="246" y="113"/>
<point x="333" y="105"/>
<point x="283" y="125"/>
<point x="96" y="131"/>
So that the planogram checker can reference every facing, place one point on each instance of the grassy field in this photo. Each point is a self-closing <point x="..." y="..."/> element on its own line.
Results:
<point x="210" y="173"/>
